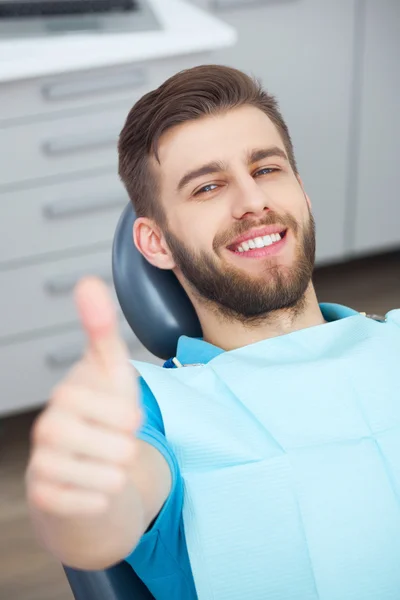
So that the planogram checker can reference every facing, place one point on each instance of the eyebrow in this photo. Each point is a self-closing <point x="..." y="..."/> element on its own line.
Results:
<point x="217" y="166"/>
<point x="208" y="169"/>
<point x="263" y="153"/>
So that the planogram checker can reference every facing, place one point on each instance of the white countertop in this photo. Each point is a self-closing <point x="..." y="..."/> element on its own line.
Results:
<point x="185" y="29"/>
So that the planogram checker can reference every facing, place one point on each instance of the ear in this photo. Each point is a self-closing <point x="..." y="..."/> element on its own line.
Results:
<point x="304" y="192"/>
<point x="148" y="239"/>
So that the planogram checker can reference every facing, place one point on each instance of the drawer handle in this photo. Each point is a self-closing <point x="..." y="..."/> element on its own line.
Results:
<point x="89" y="85"/>
<point x="220" y="4"/>
<point x="69" y="208"/>
<point x="65" y="284"/>
<point x="66" y="357"/>
<point x="80" y="143"/>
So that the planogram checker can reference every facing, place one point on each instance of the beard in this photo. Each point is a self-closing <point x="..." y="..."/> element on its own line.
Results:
<point x="235" y="294"/>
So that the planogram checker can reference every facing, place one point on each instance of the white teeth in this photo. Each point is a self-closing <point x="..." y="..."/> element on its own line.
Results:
<point x="268" y="240"/>
<point x="259" y="242"/>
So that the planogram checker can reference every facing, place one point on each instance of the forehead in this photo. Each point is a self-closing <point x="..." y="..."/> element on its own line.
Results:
<point x="227" y="137"/>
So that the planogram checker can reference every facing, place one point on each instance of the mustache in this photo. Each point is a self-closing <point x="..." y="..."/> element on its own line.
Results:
<point x="225" y="238"/>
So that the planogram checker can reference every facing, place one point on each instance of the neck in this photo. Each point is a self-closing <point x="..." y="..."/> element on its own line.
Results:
<point x="231" y="334"/>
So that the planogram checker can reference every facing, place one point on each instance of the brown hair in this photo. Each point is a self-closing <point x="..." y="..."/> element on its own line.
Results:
<point x="188" y="95"/>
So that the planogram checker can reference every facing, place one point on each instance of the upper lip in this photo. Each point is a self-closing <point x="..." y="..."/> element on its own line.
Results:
<point x="260" y="232"/>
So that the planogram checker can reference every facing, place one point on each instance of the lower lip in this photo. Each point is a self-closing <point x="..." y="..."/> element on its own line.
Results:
<point x="261" y="252"/>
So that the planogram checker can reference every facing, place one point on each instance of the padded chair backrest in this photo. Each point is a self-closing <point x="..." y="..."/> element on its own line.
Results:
<point x="117" y="583"/>
<point x="154" y="303"/>
<point x="158" y="311"/>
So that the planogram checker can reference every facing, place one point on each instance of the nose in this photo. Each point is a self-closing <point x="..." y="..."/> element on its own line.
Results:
<point x="250" y="200"/>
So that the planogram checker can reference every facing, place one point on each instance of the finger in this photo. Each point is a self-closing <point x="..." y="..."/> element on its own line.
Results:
<point x="57" y="468"/>
<point x="112" y="411"/>
<point x="99" y="319"/>
<point x="66" y="433"/>
<point x="64" y="501"/>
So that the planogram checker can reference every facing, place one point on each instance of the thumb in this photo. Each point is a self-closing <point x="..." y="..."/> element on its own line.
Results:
<point x="98" y="317"/>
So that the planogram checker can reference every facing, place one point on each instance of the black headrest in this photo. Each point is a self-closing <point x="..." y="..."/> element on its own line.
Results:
<point x="153" y="301"/>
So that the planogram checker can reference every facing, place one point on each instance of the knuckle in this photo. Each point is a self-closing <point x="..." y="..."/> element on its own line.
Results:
<point x="43" y="497"/>
<point x="41" y="428"/>
<point x="50" y="430"/>
<point x="33" y="494"/>
<point x="62" y="395"/>
<point x="56" y="500"/>
<point x="42" y="464"/>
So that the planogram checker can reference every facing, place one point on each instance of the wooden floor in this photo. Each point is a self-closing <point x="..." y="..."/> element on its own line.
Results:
<point x="26" y="571"/>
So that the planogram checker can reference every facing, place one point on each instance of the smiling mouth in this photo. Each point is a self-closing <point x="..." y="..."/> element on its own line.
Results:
<point x="258" y="242"/>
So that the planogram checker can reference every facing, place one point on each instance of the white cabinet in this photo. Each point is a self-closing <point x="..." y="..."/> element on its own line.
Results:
<point x="64" y="146"/>
<point x="30" y="368"/>
<point x="201" y="3"/>
<point x="55" y="94"/>
<point x="56" y="219"/>
<point x="377" y="222"/>
<point x="302" y="51"/>
<point x="49" y="286"/>
<point x="243" y="3"/>
<point x="60" y="200"/>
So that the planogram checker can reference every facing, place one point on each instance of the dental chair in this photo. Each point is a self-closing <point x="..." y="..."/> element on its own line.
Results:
<point x="158" y="311"/>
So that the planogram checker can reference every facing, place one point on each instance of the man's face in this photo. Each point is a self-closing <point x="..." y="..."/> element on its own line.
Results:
<point x="239" y="225"/>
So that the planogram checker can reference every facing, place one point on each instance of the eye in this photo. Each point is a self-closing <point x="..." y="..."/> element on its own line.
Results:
<point x="266" y="171"/>
<point x="206" y="189"/>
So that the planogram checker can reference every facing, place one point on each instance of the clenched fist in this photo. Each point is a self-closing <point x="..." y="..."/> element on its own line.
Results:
<point x="83" y="443"/>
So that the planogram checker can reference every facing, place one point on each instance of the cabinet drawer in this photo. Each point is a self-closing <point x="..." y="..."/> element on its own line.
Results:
<point x="59" y="217"/>
<point x="29" y="370"/>
<point x="33" y="98"/>
<point x="70" y="144"/>
<point x="41" y="296"/>
<point x="245" y="3"/>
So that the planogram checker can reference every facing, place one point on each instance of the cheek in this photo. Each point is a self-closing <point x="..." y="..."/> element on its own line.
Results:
<point x="287" y="189"/>
<point x="196" y="226"/>
<point x="294" y="202"/>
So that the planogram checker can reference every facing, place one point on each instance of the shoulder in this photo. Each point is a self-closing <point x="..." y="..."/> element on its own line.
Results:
<point x="152" y="429"/>
<point x="393" y="316"/>
<point x="151" y="410"/>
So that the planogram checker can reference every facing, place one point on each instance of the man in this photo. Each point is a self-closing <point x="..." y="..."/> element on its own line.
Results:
<point x="279" y="474"/>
